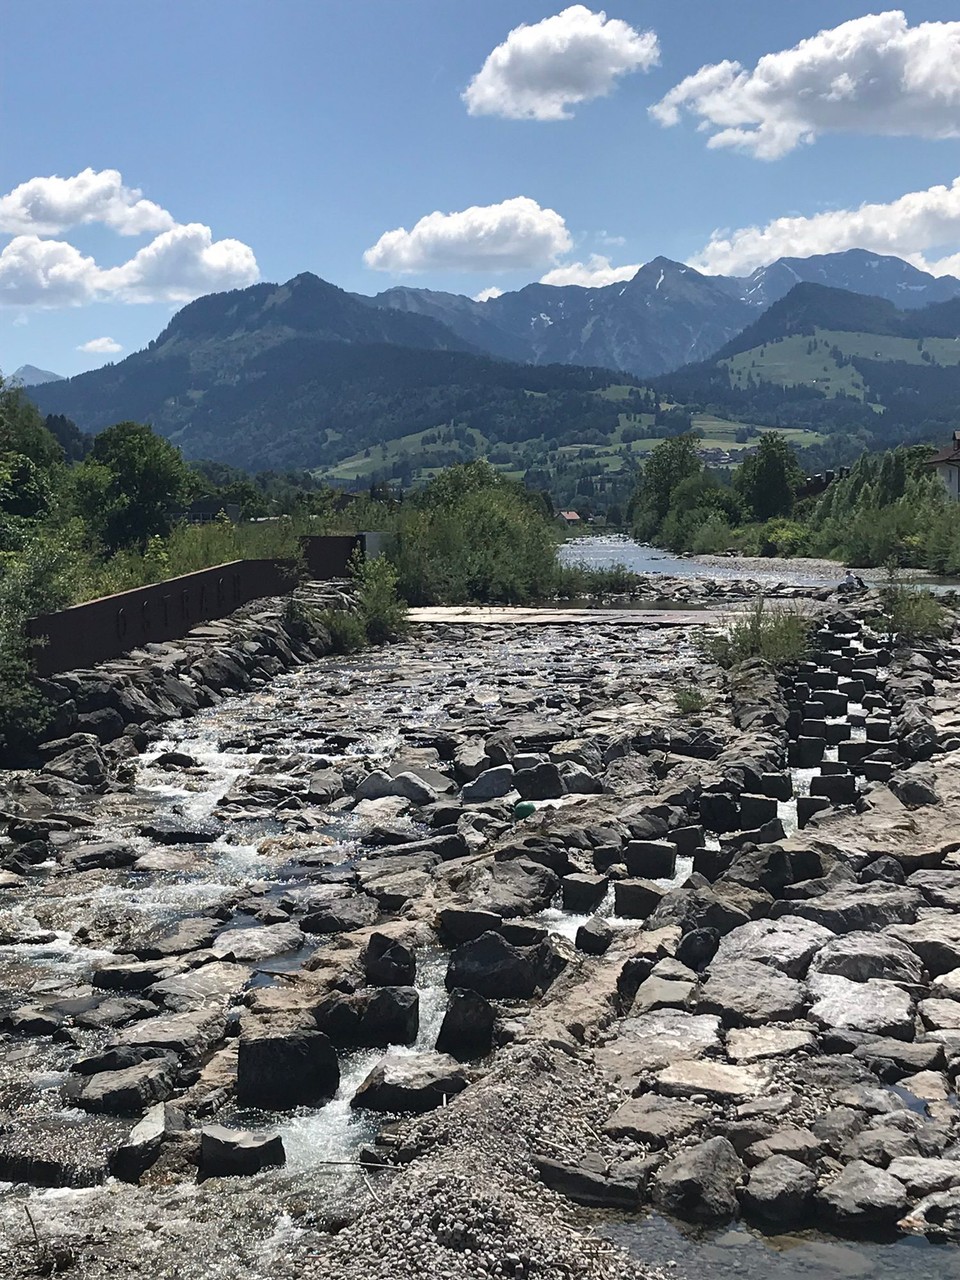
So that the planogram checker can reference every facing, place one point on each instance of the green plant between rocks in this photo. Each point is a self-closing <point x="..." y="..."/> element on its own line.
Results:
<point x="778" y="634"/>
<point x="910" y="614"/>
<point x="689" y="700"/>
<point x="382" y="612"/>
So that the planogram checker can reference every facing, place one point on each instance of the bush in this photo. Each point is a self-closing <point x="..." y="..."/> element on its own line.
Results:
<point x="911" y="615"/>
<point x="578" y="581"/>
<point x="780" y="635"/>
<point x="689" y="700"/>
<point x="346" y="630"/>
<point x="383" y="613"/>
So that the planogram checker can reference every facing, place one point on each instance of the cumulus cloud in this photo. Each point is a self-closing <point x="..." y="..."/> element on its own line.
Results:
<point x="516" y="233"/>
<point x="48" y="273"/>
<point x="101" y="347"/>
<point x="486" y="294"/>
<point x="919" y="226"/>
<point x="540" y="71"/>
<point x="177" y="266"/>
<point x="47" y="206"/>
<point x="874" y="74"/>
<point x="593" y="274"/>
<point x="180" y="263"/>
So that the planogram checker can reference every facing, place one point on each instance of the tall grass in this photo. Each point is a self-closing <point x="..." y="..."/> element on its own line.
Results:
<point x="780" y="634"/>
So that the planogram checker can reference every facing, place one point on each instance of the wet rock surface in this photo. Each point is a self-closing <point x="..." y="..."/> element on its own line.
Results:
<point x="311" y="930"/>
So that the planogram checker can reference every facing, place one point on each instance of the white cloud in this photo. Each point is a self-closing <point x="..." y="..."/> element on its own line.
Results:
<point x="101" y="347"/>
<point x="875" y="74"/>
<point x="177" y="266"/>
<point x="540" y="71"/>
<point x="47" y="273"/>
<point x="594" y="273"/>
<point x="47" y="206"/>
<point x="917" y="224"/>
<point x="514" y="234"/>
<point x="182" y="264"/>
<point x="486" y="294"/>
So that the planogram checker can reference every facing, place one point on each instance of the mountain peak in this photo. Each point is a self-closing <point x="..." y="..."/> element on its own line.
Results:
<point x="30" y="376"/>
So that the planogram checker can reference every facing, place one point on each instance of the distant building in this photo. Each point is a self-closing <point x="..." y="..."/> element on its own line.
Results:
<point x="205" y="510"/>
<point x="569" y="517"/>
<point x="947" y="466"/>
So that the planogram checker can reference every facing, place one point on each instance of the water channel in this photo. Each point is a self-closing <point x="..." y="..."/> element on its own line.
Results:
<point x="341" y="712"/>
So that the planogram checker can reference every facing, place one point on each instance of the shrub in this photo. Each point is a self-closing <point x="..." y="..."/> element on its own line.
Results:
<point x="383" y="613"/>
<point x="909" y="614"/>
<point x="346" y="630"/>
<point x="689" y="700"/>
<point x="780" y="635"/>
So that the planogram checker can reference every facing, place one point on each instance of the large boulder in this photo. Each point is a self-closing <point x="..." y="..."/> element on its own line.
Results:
<point x="788" y="944"/>
<point x="875" y="1007"/>
<point x="283" y="1063"/>
<point x="520" y="887"/>
<point x="129" y="1091"/>
<point x="745" y="993"/>
<point x="856" y="907"/>
<point x="416" y="1083"/>
<point x="655" y="1121"/>
<point x="466" y="1032"/>
<point x="701" y="1183"/>
<point x="227" y="1153"/>
<point x="780" y="1192"/>
<point x="494" y="968"/>
<point x="864" y="1198"/>
<point x="862" y="956"/>
<point x="371" y="1018"/>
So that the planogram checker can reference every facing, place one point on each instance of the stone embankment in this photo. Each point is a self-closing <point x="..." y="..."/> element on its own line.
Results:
<point x="485" y="922"/>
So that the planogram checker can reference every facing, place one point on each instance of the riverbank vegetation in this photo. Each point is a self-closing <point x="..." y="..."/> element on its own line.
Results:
<point x="889" y="508"/>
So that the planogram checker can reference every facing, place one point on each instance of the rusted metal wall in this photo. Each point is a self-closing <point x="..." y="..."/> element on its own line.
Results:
<point x="113" y="625"/>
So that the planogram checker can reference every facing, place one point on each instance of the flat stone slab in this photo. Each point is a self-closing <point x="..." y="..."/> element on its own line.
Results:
<point x="720" y="1082"/>
<point x="654" y="1120"/>
<point x="257" y="943"/>
<point x="654" y="1040"/>
<point x="754" y="1044"/>
<point x="210" y="985"/>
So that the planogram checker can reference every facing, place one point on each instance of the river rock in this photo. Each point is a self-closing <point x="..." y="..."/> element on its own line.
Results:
<point x="864" y="1198"/>
<point x="589" y="1186"/>
<point x="875" y="1007"/>
<point x="371" y="1018"/>
<point x="754" y="1044"/>
<point x="175" y="830"/>
<point x="856" y="907"/>
<point x="193" y="934"/>
<point x="494" y="968"/>
<point x="142" y="1147"/>
<point x="922" y="1176"/>
<point x="937" y="1216"/>
<point x="935" y="939"/>
<point x="211" y="985"/>
<point x="541" y="782"/>
<point x="779" y="1192"/>
<point x="466" y="1032"/>
<point x="387" y="962"/>
<point x="325" y="786"/>
<point x="128" y="1091"/>
<point x="231" y="1152"/>
<point x="492" y="784"/>
<point x="188" y="1035"/>
<point x="862" y="956"/>
<point x="410" y="1083"/>
<point x="743" y="992"/>
<point x="283" y="1064"/>
<point x="103" y="855"/>
<point x="788" y="944"/>
<point x="520" y="887"/>
<point x="701" y="1183"/>
<point x="655" y="1121"/>
<point x="720" y="1082"/>
<point x="251" y="945"/>
<point x="654" y="1040"/>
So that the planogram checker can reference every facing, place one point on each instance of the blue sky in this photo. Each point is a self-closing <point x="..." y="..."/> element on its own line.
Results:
<point x="279" y="136"/>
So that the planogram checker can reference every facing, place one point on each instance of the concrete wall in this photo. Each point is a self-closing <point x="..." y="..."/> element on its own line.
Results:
<point x="113" y="625"/>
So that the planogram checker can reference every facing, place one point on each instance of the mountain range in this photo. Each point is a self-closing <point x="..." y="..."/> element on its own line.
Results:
<point x="304" y="374"/>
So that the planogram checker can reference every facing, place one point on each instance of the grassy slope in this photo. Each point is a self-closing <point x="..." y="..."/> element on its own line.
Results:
<point x="790" y="362"/>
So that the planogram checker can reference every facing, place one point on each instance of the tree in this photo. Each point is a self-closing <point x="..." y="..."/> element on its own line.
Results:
<point x="130" y="486"/>
<point x="671" y="462"/>
<point x="22" y="430"/>
<point x="767" y="481"/>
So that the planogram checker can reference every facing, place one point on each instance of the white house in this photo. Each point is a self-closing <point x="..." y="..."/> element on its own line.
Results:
<point x="947" y="464"/>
